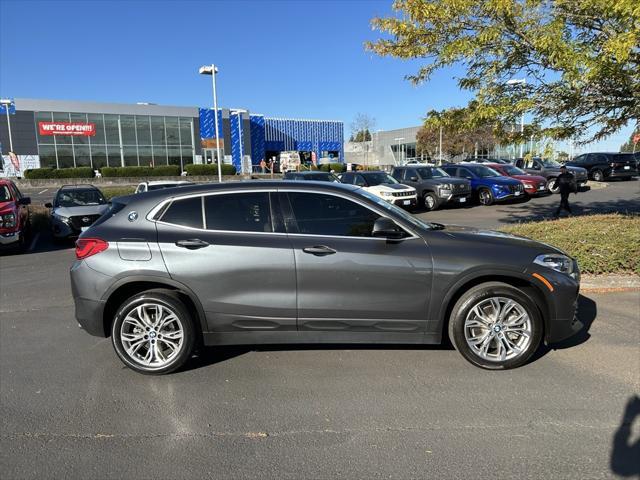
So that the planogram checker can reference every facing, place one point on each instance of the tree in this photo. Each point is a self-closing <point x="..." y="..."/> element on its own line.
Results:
<point x="581" y="59"/>
<point x="629" y="145"/>
<point x="361" y="127"/>
<point x="456" y="139"/>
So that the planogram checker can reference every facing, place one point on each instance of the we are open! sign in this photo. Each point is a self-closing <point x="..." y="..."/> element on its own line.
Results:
<point x="67" y="128"/>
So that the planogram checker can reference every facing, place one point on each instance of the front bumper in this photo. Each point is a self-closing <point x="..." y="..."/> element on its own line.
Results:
<point x="9" y="238"/>
<point x="404" y="202"/>
<point x="501" y="196"/>
<point x="62" y="229"/>
<point x="457" y="198"/>
<point x="561" y="319"/>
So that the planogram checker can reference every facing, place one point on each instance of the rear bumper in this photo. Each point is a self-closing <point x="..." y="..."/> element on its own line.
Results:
<point x="623" y="173"/>
<point x="89" y="315"/>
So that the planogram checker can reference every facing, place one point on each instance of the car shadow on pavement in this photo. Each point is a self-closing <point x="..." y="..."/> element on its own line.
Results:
<point x="212" y="355"/>
<point x="625" y="453"/>
<point x="587" y="313"/>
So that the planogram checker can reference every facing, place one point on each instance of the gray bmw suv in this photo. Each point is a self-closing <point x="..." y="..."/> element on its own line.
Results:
<point x="310" y="262"/>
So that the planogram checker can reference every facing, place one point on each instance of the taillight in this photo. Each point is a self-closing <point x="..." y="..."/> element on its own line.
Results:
<point x="86" y="247"/>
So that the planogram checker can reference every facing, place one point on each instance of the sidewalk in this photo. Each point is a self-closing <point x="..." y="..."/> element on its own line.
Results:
<point x="609" y="283"/>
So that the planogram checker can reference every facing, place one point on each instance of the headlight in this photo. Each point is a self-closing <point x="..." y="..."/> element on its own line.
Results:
<point x="8" y="220"/>
<point x="446" y="186"/>
<point x="555" y="261"/>
<point x="62" y="218"/>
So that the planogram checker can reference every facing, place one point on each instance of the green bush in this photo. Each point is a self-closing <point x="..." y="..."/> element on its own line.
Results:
<point x="336" y="167"/>
<point x="39" y="173"/>
<point x="110" y="192"/>
<point x="212" y="169"/>
<point x="159" y="171"/>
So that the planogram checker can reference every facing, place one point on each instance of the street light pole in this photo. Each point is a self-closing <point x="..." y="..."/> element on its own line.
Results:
<point x="399" y="139"/>
<point x="440" y="147"/>
<point x="523" y="82"/>
<point x="212" y="70"/>
<point x="7" y="103"/>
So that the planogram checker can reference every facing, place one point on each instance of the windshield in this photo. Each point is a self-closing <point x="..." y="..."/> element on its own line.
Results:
<point x="161" y="186"/>
<point x="320" y="177"/>
<point x="551" y="163"/>
<point x="80" y="198"/>
<point x="483" y="172"/>
<point x="5" y="195"/>
<point x="407" y="217"/>
<point x="378" y="178"/>
<point x="511" y="170"/>
<point x="431" y="172"/>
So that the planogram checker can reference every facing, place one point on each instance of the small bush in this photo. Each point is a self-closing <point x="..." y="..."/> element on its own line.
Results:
<point x="336" y="167"/>
<point x="212" y="169"/>
<point x="159" y="171"/>
<point x="110" y="192"/>
<point x="40" y="173"/>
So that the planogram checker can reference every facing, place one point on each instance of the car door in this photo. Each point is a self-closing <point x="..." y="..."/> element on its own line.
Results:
<point x="22" y="205"/>
<point x="347" y="280"/>
<point x="232" y="251"/>
<point x="411" y="178"/>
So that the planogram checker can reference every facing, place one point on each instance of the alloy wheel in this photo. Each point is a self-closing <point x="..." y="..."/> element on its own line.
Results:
<point x="485" y="197"/>
<point x="152" y="335"/>
<point x="429" y="202"/>
<point x="498" y="329"/>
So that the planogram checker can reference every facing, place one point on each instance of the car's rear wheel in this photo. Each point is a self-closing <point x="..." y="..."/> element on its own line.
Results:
<point x="552" y="184"/>
<point x="597" y="175"/>
<point x="495" y="326"/>
<point x="153" y="332"/>
<point x="430" y="201"/>
<point x="485" y="197"/>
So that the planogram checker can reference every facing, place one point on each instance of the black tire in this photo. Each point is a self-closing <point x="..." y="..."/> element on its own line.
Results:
<point x="485" y="197"/>
<point x="597" y="175"/>
<point x="429" y="201"/>
<point x="169" y="300"/>
<point x="476" y="296"/>
<point x="552" y="185"/>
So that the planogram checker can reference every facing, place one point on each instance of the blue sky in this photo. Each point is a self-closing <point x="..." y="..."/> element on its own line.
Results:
<point x="292" y="58"/>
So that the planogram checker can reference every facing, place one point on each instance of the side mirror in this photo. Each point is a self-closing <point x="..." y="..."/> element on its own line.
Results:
<point x="25" y="201"/>
<point x="48" y="205"/>
<point x="413" y="179"/>
<point x="386" y="228"/>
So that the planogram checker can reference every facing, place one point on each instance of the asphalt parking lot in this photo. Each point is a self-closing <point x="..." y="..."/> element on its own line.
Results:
<point x="68" y="408"/>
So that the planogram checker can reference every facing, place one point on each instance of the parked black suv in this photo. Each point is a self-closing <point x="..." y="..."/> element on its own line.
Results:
<point x="606" y="165"/>
<point x="310" y="262"/>
<point x="434" y="186"/>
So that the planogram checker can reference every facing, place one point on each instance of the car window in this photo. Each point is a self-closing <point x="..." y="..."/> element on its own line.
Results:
<point x="16" y="192"/>
<point x="5" y="194"/>
<point x="532" y="164"/>
<point x="397" y="173"/>
<point x="379" y="178"/>
<point x="511" y="170"/>
<point x="464" y="173"/>
<point x="360" y="181"/>
<point x="239" y="212"/>
<point x="409" y="173"/>
<point x="186" y="212"/>
<point x="347" y="178"/>
<point x="320" y="214"/>
<point x="79" y="198"/>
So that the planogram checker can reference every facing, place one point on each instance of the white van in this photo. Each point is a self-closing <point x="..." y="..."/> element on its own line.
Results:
<point x="289" y="161"/>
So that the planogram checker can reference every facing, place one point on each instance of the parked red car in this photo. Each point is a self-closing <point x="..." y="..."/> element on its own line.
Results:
<point x="14" y="215"/>
<point x="533" y="184"/>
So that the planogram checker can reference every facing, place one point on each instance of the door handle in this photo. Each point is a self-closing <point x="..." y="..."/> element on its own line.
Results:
<point x="192" y="244"/>
<point x="319" y="250"/>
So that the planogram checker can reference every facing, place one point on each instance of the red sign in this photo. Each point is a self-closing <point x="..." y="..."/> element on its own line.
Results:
<point x="67" y="128"/>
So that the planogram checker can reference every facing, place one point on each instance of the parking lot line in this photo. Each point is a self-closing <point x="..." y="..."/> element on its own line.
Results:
<point x="45" y="190"/>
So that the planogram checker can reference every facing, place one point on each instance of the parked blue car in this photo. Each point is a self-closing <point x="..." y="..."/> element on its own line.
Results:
<point x="487" y="185"/>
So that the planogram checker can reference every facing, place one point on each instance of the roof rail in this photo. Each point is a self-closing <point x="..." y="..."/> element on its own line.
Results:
<point x="71" y="185"/>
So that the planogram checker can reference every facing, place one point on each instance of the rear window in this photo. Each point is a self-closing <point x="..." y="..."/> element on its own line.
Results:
<point x="626" y="158"/>
<point x="186" y="212"/>
<point x="114" y="208"/>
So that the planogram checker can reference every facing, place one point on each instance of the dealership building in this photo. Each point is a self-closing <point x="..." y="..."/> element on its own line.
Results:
<point x="63" y="134"/>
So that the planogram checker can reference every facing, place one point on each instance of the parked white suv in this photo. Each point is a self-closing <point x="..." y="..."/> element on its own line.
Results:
<point x="149" y="186"/>
<point x="384" y="186"/>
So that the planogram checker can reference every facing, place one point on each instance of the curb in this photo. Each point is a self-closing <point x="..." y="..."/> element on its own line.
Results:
<point x="609" y="283"/>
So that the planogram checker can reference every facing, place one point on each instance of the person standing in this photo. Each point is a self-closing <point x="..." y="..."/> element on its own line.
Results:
<point x="263" y="166"/>
<point x="566" y="183"/>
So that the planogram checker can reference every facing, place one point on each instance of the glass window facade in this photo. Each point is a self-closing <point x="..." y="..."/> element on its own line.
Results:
<point x="130" y="140"/>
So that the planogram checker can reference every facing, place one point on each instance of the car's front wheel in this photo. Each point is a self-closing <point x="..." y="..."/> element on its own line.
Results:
<point x="430" y="201"/>
<point x="485" y="197"/>
<point x="495" y="326"/>
<point x="153" y="332"/>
